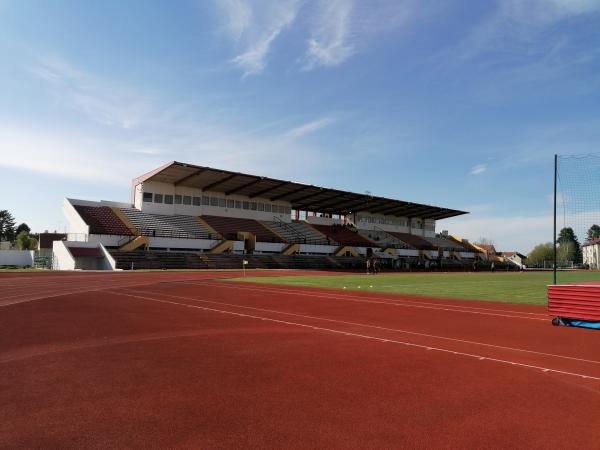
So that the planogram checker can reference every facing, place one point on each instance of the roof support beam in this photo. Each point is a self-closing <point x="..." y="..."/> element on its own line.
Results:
<point x="384" y="209"/>
<point x="371" y="204"/>
<point x="299" y="201"/>
<point x="417" y="211"/>
<point x="325" y="204"/>
<point x="443" y="214"/>
<point x="396" y="211"/>
<point x="264" y="191"/>
<point x="243" y="186"/>
<point x="350" y="203"/>
<point x="208" y="187"/>
<point x="295" y="191"/>
<point x="190" y="176"/>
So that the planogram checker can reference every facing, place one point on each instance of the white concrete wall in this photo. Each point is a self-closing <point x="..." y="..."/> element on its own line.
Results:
<point x="415" y="225"/>
<point x="109" y="261"/>
<point x="62" y="258"/>
<point x="368" y="221"/>
<point x="318" y="249"/>
<point x="21" y="258"/>
<point x="75" y="224"/>
<point x="407" y="252"/>
<point x="191" y="244"/>
<point x="323" y="220"/>
<point x="198" y="210"/>
<point x="270" y="247"/>
<point x="591" y="255"/>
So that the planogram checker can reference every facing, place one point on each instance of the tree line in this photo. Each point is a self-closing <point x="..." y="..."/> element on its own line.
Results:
<point x="568" y="248"/>
<point x="21" y="235"/>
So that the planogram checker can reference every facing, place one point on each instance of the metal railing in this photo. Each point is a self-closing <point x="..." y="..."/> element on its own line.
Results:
<point x="298" y="238"/>
<point x="403" y="244"/>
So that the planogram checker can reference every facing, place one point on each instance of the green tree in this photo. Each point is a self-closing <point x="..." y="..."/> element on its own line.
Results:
<point x="22" y="227"/>
<point x="7" y="225"/>
<point x="566" y="236"/>
<point x="25" y="241"/>
<point x="541" y="253"/>
<point x="593" y="232"/>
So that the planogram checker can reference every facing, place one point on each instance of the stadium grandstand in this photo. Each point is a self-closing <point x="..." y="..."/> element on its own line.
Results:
<point x="188" y="216"/>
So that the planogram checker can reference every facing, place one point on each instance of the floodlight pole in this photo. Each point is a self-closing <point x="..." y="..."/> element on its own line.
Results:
<point x="555" y="177"/>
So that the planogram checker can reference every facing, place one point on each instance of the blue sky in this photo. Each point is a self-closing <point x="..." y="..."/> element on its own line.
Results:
<point x="459" y="104"/>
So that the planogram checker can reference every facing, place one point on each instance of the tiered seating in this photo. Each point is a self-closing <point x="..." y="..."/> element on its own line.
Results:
<point x="383" y="238"/>
<point x="102" y="220"/>
<point x="298" y="233"/>
<point x="344" y="236"/>
<point x="187" y="260"/>
<point x="414" y="241"/>
<point x="466" y="245"/>
<point x="445" y="243"/>
<point x="234" y="261"/>
<point x="160" y="225"/>
<point x="228" y="227"/>
<point x="157" y="260"/>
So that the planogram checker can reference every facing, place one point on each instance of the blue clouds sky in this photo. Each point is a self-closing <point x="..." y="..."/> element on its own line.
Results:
<point x="459" y="104"/>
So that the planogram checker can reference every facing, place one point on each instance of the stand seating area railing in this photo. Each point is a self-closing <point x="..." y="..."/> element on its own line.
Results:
<point x="173" y="226"/>
<point x="445" y="244"/>
<point x="414" y="241"/>
<point x="138" y="259"/>
<point x="229" y="227"/>
<point x="298" y="232"/>
<point x="344" y="236"/>
<point x="384" y="239"/>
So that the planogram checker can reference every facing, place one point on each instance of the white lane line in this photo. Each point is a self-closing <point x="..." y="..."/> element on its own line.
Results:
<point x="451" y="308"/>
<point x="36" y="295"/>
<point x="363" y="336"/>
<point x="394" y="300"/>
<point x="483" y="344"/>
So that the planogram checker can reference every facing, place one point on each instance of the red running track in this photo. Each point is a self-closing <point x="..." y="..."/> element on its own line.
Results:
<point x="189" y="360"/>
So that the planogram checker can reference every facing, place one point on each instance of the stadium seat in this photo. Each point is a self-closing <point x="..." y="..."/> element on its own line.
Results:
<point x="344" y="236"/>
<point x="173" y="226"/>
<point x="102" y="220"/>
<point x="297" y="232"/>
<point x="414" y="241"/>
<point x="229" y="227"/>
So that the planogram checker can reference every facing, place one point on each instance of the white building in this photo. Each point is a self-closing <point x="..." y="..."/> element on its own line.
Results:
<point x="591" y="254"/>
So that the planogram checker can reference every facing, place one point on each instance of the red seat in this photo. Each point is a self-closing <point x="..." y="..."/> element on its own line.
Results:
<point x="102" y="220"/>
<point x="228" y="227"/>
<point x="344" y="236"/>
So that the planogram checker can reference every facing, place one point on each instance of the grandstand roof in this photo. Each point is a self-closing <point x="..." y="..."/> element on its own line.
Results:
<point x="304" y="197"/>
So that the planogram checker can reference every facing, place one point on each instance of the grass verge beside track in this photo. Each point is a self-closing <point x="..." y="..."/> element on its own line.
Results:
<point x="528" y="287"/>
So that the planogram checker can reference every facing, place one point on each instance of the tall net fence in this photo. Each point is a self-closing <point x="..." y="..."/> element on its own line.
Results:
<point x="578" y="212"/>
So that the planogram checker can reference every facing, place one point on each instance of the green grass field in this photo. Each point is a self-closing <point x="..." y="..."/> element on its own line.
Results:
<point x="517" y="287"/>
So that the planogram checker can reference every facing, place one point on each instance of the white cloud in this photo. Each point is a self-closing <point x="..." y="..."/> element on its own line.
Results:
<point x="330" y="43"/>
<point x="63" y="154"/>
<point x="308" y="128"/>
<point x="515" y="22"/>
<point x="546" y="12"/>
<point x="105" y="102"/>
<point x="255" y="26"/>
<point x="239" y="15"/>
<point x="334" y="30"/>
<point x="341" y="28"/>
<point x="478" y="169"/>
<point x="99" y="157"/>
